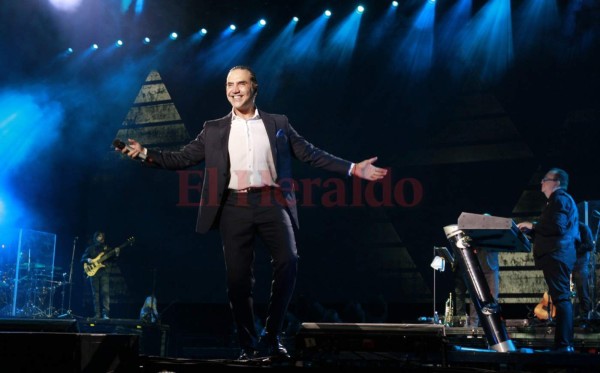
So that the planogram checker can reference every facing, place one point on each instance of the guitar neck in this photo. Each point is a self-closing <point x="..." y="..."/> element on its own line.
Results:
<point x="112" y="252"/>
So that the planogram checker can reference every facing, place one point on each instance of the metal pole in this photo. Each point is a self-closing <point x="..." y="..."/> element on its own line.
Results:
<point x="487" y="307"/>
<point x="68" y="313"/>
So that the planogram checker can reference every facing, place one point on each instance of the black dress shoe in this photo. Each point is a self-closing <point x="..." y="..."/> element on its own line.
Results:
<point x="565" y="349"/>
<point x="247" y="354"/>
<point x="561" y="350"/>
<point x="275" y="348"/>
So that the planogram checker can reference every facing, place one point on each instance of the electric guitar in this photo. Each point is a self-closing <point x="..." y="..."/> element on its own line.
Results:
<point x="92" y="268"/>
<point x="545" y="309"/>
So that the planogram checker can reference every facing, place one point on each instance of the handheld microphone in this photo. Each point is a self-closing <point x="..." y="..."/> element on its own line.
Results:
<point x="120" y="145"/>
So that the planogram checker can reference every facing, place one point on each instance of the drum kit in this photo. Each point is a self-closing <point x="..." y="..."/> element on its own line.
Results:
<point x="29" y="292"/>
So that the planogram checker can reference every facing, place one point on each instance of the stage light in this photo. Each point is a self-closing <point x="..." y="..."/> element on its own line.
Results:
<point x="146" y="40"/>
<point x="360" y="9"/>
<point x="69" y="51"/>
<point x="295" y="19"/>
<point x="66" y="5"/>
<point x="395" y="4"/>
<point x="203" y="31"/>
<point x="232" y="27"/>
<point x="438" y="264"/>
<point x="328" y="13"/>
<point x="173" y="36"/>
<point x="119" y="43"/>
<point x="262" y="23"/>
<point x="95" y="46"/>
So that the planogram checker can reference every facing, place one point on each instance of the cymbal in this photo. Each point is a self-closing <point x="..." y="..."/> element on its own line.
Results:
<point x="31" y="266"/>
<point x="25" y="266"/>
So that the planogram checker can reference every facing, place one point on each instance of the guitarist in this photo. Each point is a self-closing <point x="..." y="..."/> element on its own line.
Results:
<point x="100" y="281"/>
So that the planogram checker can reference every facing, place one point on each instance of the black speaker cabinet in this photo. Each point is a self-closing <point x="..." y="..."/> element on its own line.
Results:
<point x="415" y="342"/>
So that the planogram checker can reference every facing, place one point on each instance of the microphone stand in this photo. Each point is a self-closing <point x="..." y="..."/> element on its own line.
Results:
<point x="68" y="313"/>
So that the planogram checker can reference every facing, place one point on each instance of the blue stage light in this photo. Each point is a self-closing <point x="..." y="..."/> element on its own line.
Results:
<point x="119" y="43"/>
<point x="95" y="46"/>
<point x="360" y="9"/>
<point x="146" y="40"/>
<point x="173" y="36"/>
<point x="262" y="23"/>
<point x="327" y="13"/>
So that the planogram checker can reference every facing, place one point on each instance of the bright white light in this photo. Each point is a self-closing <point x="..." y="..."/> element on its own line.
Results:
<point x="394" y="3"/>
<point x="438" y="263"/>
<point x="65" y="5"/>
<point x="360" y="9"/>
<point x="146" y="40"/>
<point x="295" y="19"/>
<point x="232" y="27"/>
<point x="173" y="36"/>
<point x="204" y="31"/>
<point x="262" y="22"/>
<point x="328" y="13"/>
<point x="95" y="46"/>
<point x="69" y="50"/>
<point x="119" y="43"/>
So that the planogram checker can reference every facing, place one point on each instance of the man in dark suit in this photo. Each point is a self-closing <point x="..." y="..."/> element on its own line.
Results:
<point x="554" y="236"/>
<point x="247" y="192"/>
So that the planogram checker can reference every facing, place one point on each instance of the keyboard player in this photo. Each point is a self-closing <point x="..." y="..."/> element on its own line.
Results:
<point x="554" y="235"/>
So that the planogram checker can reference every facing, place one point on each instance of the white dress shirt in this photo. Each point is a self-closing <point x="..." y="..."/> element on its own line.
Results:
<point x="252" y="163"/>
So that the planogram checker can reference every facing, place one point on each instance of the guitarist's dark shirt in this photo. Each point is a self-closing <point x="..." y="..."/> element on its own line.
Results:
<point x="94" y="250"/>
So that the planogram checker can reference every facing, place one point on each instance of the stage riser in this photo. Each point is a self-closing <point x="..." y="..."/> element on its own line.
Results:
<point x="153" y="338"/>
<point x="69" y="352"/>
<point x="401" y="345"/>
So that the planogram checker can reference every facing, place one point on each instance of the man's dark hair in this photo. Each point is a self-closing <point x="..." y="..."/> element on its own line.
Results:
<point x="98" y="233"/>
<point x="252" y="74"/>
<point x="562" y="176"/>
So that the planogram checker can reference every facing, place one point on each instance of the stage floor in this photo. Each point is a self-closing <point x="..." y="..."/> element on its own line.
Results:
<point x="129" y="346"/>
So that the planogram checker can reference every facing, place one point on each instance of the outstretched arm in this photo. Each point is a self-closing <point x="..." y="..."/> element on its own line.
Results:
<point x="366" y="170"/>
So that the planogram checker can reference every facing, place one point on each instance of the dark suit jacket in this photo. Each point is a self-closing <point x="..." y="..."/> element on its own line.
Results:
<point x="557" y="229"/>
<point x="211" y="146"/>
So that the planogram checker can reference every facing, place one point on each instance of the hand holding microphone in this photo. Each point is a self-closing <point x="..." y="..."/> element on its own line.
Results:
<point x="133" y="150"/>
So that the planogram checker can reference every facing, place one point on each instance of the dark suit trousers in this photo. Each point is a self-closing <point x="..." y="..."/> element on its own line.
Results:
<point x="244" y="217"/>
<point x="100" y="284"/>
<point x="557" y="276"/>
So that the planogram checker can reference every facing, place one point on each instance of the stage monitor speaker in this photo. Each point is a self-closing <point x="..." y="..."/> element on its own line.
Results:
<point x="38" y="325"/>
<point x="414" y="342"/>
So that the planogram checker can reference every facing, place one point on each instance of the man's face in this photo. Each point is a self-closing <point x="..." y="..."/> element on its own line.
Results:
<point x="100" y="238"/>
<point x="240" y="91"/>
<point x="549" y="184"/>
